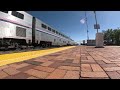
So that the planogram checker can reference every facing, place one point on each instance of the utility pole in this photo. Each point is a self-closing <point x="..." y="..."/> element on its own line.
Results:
<point x="96" y="20"/>
<point x="86" y="25"/>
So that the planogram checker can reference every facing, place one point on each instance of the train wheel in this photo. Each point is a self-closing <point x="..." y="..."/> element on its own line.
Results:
<point x="43" y="45"/>
<point x="6" y="48"/>
<point x="16" y="45"/>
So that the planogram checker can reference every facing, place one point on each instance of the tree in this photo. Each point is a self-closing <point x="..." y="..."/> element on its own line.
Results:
<point x="112" y="36"/>
<point x="109" y="36"/>
<point x="117" y="36"/>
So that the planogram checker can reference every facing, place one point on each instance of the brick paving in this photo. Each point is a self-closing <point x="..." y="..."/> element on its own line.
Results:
<point x="81" y="62"/>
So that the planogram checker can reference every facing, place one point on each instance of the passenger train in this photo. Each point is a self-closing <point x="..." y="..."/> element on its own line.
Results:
<point x="18" y="28"/>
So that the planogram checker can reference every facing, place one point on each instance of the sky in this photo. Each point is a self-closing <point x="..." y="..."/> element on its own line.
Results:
<point x="69" y="23"/>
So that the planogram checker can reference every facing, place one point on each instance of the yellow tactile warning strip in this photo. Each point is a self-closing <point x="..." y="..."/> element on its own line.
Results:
<point x="18" y="57"/>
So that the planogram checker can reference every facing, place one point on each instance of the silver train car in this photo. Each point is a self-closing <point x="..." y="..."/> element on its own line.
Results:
<point x="18" y="28"/>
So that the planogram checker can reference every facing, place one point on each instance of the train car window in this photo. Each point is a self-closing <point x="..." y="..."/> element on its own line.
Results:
<point x="5" y="11"/>
<point x="14" y="13"/>
<point x="21" y="16"/>
<point x="17" y="14"/>
<point x="53" y="30"/>
<point x="56" y="32"/>
<point x="49" y="28"/>
<point x="43" y="26"/>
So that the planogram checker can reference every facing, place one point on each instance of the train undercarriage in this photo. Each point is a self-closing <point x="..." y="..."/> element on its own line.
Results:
<point x="7" y="43"/>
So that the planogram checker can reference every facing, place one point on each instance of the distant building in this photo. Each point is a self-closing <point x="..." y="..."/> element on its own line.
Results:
<point x="83" y="42"/>
<point x="91" y="42"/>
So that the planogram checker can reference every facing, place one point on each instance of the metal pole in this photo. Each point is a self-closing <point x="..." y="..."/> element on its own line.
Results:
<point x="96" y="20"/>
<point x="86" y="25"/>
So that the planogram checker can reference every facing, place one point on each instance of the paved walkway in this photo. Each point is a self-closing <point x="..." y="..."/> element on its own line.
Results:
<point x="76" y="63"/>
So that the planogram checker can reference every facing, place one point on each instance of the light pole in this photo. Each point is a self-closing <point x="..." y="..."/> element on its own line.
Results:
<point x="86" y="25"/>
<point x="96" y="20"/>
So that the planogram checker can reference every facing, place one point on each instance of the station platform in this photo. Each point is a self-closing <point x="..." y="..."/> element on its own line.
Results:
<point x="79" y="62"/>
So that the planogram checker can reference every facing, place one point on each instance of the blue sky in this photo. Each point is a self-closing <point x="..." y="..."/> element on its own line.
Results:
<point x="68" y="22"/>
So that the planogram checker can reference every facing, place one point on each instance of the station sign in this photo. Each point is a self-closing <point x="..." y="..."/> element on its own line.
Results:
<point x="96" y="26"/>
